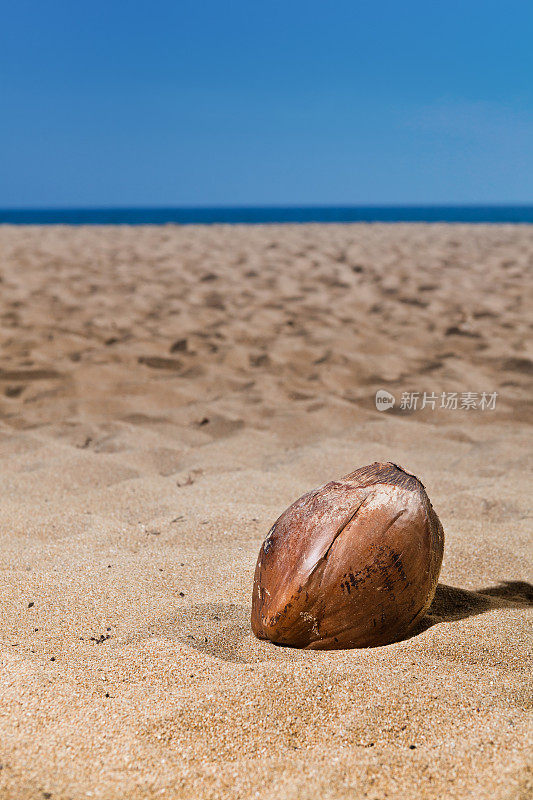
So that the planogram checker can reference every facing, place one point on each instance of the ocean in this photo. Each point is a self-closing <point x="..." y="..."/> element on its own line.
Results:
<point x="266" y="214"/>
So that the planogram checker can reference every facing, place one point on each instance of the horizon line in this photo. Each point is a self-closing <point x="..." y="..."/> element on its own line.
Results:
<point x="269" y="206"/>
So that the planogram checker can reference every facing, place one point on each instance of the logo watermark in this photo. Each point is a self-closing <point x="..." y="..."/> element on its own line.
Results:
<point x="451" y="401"/>
<point x="384" y="400"/>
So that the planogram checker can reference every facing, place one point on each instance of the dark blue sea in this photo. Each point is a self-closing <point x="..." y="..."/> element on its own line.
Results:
<point x="267" y="214"/>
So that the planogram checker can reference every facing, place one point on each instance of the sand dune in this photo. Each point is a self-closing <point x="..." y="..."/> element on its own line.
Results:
<point x="165" y="393"/>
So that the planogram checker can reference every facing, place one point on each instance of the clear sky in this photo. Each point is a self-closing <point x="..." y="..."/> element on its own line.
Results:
<point x="253" y="103"/>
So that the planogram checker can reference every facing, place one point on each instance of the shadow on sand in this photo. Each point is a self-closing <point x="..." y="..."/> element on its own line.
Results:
<point x="451" y="603"/>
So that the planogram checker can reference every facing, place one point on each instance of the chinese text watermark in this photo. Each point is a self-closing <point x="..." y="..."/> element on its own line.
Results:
<point x="451" y="401"/>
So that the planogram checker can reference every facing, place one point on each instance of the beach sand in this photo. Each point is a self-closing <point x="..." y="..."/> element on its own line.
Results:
<point x="165" y="393"/>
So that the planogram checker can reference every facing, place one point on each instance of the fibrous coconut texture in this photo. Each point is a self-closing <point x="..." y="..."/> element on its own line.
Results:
<point x="353" y="563"/>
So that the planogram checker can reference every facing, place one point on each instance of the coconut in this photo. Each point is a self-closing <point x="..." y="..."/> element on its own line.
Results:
<point x="353" y="563"/>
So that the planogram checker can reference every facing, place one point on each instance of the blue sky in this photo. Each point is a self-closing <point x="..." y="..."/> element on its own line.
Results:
<point x="256" y="103"/>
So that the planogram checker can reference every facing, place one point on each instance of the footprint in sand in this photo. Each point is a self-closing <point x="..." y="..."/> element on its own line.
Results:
<point x="158" y="362"/>
<point x="29" y="374"/>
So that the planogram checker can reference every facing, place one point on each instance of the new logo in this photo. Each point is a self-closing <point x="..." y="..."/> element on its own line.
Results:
<point x="384" y="400"/>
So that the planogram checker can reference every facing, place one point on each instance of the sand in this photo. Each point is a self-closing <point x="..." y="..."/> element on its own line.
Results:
<point x="165" y="393"/>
